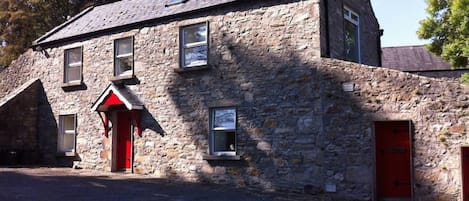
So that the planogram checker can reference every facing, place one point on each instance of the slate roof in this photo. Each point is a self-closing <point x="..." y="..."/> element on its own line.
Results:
<point x="412" y="59"/>
<point x="120" y="14"/>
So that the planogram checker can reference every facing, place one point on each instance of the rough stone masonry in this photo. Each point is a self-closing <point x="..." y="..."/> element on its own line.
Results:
<point x="298" y="130"/>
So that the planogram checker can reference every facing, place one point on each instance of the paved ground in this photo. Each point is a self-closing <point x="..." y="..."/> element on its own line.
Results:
<point x="51" y="184"/>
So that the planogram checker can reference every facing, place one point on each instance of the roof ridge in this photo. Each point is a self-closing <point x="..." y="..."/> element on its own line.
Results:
<point x="57" y="28"/>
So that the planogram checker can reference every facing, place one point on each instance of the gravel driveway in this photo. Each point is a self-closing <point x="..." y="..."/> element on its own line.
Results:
<point x="51" y="184"/>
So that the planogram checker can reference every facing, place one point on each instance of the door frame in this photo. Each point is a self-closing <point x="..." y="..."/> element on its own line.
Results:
<point x="114" y="143"/>
<point x="462" y="170"/>
<point x="411" y="167"/>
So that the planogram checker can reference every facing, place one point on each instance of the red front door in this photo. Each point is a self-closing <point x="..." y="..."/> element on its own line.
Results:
<point x="465" y="172"/>
<point x="124" y="143"/>
<point x="393" y="160"/>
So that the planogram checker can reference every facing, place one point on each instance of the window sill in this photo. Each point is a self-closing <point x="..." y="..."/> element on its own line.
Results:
<point x="122" y="77"/>
<point x="72" y="84"/>
<point x="221" y="158"/>
<point x="191" y="69"/>
<point x="66" y="154"/>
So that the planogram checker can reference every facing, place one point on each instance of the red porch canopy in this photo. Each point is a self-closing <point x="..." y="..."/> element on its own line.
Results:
<point x="118" y="97"/>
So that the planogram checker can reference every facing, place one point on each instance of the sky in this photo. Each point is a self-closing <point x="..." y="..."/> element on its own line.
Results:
<point x="400" y="21"/>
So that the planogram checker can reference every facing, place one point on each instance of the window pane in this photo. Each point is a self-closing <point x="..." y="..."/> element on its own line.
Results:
<point x="124" y="46"/>
<point x="124" y="66"/>
<point x="73" y="73"/>
<point x="69" y="123"/>
<point x="355" y="17"/>
<point x="351" y="41"/>
<point x="74" y="56"/>
<point x="195" y="55"/>
<point x="193" y="34"/>
<point x="346" y="12"/>
<point x="224" y="141"/>
<point x="224" y="119"/>
<point x="69" y="142"/>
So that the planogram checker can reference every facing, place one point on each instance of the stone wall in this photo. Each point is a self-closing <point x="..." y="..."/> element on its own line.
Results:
<point x="18" y="120"/>
<point x="369" y="30"/>
<point x="297" y="128"/>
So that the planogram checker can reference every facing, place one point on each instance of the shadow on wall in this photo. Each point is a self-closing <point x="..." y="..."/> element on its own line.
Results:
<point x="18" y="142"/>
<point x="292" y="119"/>
<point x="47" y="135"/>
<point x="151" y="123"/>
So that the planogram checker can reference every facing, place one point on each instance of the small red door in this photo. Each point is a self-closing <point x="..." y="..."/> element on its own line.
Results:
<point x="465" y="172"/>
<point x="124" y="143"/>
<point x="393" y="160"/>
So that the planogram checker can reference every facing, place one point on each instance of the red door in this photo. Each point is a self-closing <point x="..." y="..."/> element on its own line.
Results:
<point x="393" y="160"/>
<point x="124" y="143"/>
<point x="465" y="172"/>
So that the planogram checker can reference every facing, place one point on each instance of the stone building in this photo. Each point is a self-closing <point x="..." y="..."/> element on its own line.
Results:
<point x="237" y="93"/>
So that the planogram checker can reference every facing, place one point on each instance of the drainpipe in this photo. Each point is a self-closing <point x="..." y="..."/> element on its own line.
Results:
<point x="326" y="13"/>
<point x="380" y="52"/>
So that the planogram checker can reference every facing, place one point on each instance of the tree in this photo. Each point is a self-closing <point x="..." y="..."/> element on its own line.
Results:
<point x="447" y="26"/>
<point x="23" y="21"/>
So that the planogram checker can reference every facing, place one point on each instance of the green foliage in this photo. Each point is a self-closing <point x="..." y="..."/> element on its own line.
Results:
<point x="23" y="21"/>
<point x="447" y="26"/>
<point x="465" y="78"/>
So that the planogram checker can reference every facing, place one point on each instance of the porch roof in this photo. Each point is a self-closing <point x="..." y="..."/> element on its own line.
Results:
<point x="125" y="96"/>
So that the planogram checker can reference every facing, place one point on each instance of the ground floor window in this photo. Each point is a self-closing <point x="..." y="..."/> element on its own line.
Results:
<point x="67" y="133"/>
<point x="223" y="131"/>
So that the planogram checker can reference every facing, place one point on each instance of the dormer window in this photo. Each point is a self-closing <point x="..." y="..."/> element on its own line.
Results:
<point x="123" y="57"/>
<point x="352" y="35"/>
<point x="194" y="45"/>
<point x="73" y="65"/>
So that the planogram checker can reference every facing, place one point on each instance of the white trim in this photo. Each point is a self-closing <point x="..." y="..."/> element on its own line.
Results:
<point x="195" y="44"/>
<point x="349" y="16"/>
<point x="356" y="23"/>
<point x="74" y="65"/>
<point x="124" y="55"/>
<point x="112" y="88"/>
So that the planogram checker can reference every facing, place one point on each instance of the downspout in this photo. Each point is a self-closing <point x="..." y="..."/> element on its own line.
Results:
<point x="380" y="52"/>
<point x="326" y="13"/>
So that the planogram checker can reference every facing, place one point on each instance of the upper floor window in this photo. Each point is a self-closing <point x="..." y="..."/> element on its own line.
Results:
<point x="352" y="35"/>
<point x="67" y="133"/>
<point x="73" y="65"/>
<point x="223" y="132"/>
<point x="194" y="45"/>
<point x="123" y="57"/>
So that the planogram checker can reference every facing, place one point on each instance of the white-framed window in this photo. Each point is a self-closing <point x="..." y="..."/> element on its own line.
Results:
<point x="67" y="133"/>
<point x="194" y="45"/>
<point x="352" y="35"/>
<point x="73" y="63"/>
<point x="223" y="132"/>
<point x="124" y="57"/>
